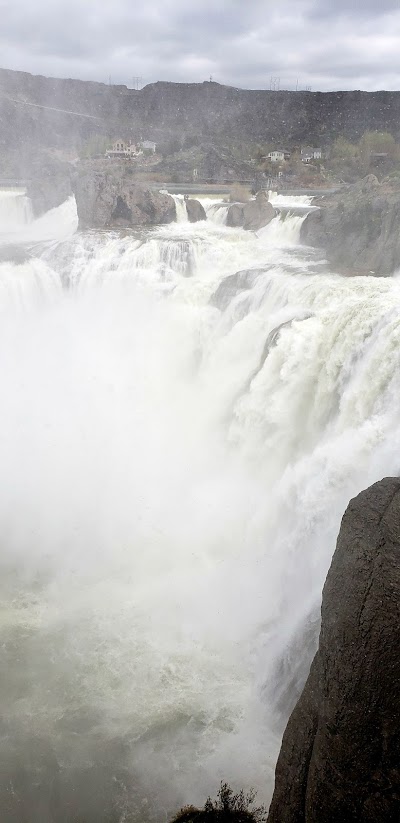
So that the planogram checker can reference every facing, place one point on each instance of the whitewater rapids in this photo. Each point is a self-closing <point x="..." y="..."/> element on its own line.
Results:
<point x="178" y="445"/>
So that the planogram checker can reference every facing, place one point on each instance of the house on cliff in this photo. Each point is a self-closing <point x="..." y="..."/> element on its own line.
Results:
<point x="308" y="154"/>
<point x="278" y="155"/>
<point x="121" y="148"/>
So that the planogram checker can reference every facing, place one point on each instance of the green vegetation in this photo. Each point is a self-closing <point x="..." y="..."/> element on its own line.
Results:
<point x="375" y="153"/>
<point x="227" y="807"/>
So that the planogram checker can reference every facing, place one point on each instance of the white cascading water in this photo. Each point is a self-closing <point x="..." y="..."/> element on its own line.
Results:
<point x="178" y="444"/>
<point x="288" y="200"/>
<point x="15" y="211"/>
<point x="216" y="210"/>
<point x="180" y="206"/>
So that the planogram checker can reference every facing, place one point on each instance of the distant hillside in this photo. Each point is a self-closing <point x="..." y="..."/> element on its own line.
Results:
<point x="38" y="112"/>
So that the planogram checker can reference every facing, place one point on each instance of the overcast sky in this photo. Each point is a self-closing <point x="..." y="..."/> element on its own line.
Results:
<point x="325" y="44"/>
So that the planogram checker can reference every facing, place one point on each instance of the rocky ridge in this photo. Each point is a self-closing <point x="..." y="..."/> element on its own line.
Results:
<point x="61" y="114"/>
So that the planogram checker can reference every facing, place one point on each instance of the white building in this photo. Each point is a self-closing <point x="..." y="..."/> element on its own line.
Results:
<point x="308" y="154"/>
<point x="278" y="156"/>
<point x="121" y="148"/>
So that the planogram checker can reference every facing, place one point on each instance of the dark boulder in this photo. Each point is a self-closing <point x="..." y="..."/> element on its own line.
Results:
<point x="195" y="211"/>
<point x="253" y="215"/>
<point x="340" y="755"/>
<point x="235" y="215"/>
<point x="108" y="196"/>
<point x="258" y="213"/>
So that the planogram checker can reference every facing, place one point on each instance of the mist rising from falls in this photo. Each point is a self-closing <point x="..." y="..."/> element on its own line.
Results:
<point x="172" y="479"/>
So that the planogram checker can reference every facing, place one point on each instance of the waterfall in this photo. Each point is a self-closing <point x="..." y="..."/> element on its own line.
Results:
<point x="180" y="206"/>
<point x="216" y="210"/>
<point x="177" y="453"/>
<point x="283" y="230"/>
<point x="15" y="211"/>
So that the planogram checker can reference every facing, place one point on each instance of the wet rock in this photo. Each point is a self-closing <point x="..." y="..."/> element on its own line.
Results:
<point x="358" y="227"/>
<point x="258" y="213"/>
<point x="108" y="196"/>
<point x="235" y="216"/>
<point x="195" y="211"/>
<point x="253" y="215"/>
<point x="340" y="755"/>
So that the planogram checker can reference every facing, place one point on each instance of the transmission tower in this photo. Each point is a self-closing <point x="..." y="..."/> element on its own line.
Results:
<point x="137" y="83"/>
<point x="274" y="83"/>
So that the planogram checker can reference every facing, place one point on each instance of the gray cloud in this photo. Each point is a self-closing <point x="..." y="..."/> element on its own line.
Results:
<point x="325" y="44"/>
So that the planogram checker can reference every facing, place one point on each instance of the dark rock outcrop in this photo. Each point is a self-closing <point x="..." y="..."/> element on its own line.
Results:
<point x="195" y="211"/>
<point x="253" y="215"/>
<point x="340" y="755"/>
<point x="108" y="196"/>
<point x="358" y="227"/>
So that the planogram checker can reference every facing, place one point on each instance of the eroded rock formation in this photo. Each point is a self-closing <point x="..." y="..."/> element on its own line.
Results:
<point x="195" y="211"/>
<point x="253" y="215"/>
<point x="109" y="196"/>
<point x="340" y="755"/>
<point x="358" y="227"/>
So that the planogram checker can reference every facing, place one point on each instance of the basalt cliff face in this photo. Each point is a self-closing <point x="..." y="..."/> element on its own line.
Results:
<point x="63" y="114"/>
<point x="358" y="227"/>
<point x="340" y="755"/>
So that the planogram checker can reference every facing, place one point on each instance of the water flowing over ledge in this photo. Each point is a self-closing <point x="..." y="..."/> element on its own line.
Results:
<point x="172" y="480"/>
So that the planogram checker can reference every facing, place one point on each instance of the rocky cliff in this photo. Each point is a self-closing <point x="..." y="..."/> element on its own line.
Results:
<point x="64" y="114"/>
<point x="108" y="196"/>
<point x="358" y="227"/>
<point x="340" y="755"/>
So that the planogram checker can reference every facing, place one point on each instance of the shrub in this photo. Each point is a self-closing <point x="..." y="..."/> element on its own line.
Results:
<point x="227" y="807"/>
